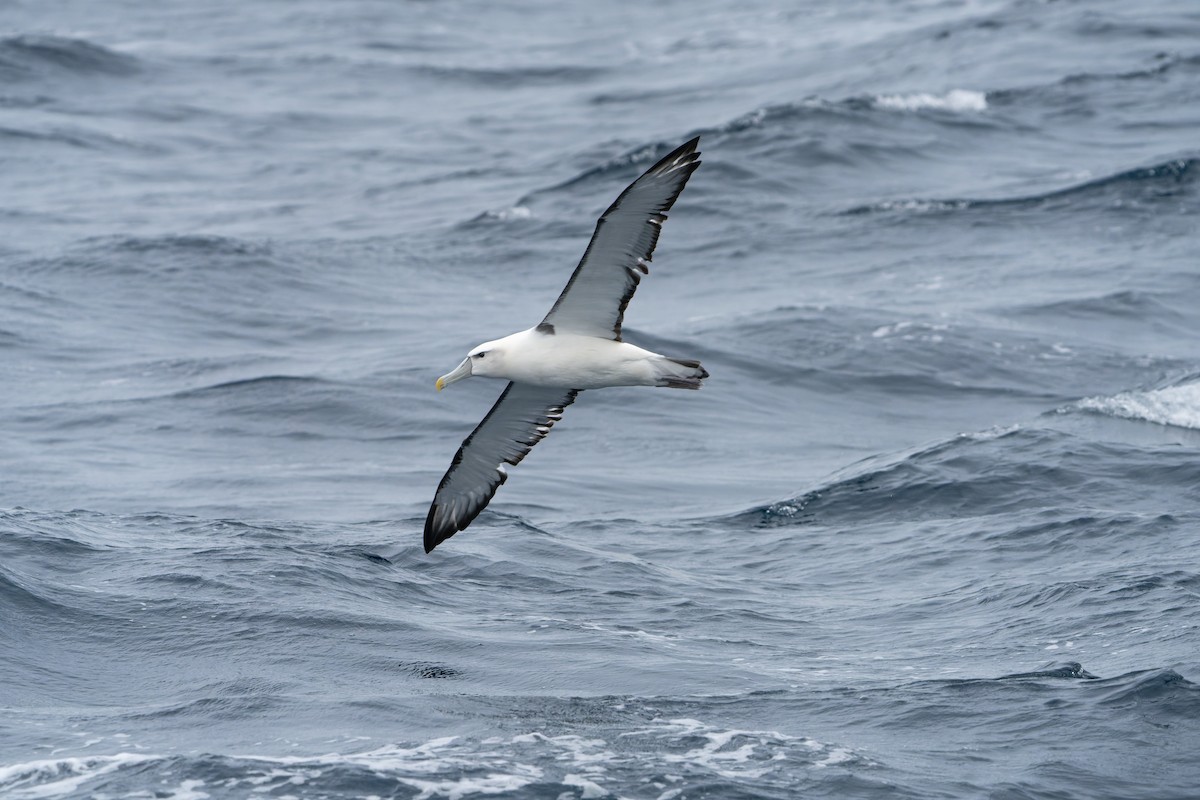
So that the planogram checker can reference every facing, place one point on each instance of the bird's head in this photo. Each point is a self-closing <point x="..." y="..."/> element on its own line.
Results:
<point x="485" y="360"/>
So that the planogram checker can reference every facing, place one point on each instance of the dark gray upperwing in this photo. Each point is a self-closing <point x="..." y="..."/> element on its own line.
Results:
<point x="593" y="304"/>
<point x="520" y="419"/>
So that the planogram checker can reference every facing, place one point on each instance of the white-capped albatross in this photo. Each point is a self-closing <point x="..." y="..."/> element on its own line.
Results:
<point x="577" y="346"/>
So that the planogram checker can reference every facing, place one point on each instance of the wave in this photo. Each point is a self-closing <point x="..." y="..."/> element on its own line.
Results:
<point x="1159" y="692"/>
<point x="189" y="257"/>
<point x="1161" y="689"/>
<point x="1126" y="304"/>
<point x="28" y="56"/>
<point x="610" y="760"/>
<point x="1167" y="65"/>
<point x="301" y="408"/>
<point x="205" y="244"/>
<point x="271" y="384"/>
<point x="189" y="254"/>
<point x="845" y="348"/>
<point x="70" y="529"/>
<point x="1118" y="316"/>
<point x="31" y="101"/>
<point x="850" y="107"/>
<point x="642" y="156"/>
<point x="954" y="100"/>
<point x="1069" y="670"/>
<point x="61" y="777"/>
<point x="995" y="472"/>
<point x="77" y="137"/>
<point x="12" y="338"/>
<point x="829" y="136"/>
<point x="506" y="77"/>
<point x="21" y="599"/>
<point x="1168" y="182"/>
<point x="1177" y="406"/>
<point x="868" y="111"/>
<point x="510" y="214"/>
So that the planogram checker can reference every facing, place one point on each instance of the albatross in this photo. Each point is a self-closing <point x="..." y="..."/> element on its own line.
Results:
<point x="577" y="346"/>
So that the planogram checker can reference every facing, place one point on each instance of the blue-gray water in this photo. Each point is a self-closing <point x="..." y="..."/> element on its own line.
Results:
<point x="932" y="528"/>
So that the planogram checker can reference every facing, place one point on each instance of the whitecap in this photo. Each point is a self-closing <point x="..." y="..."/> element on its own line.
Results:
<point x="1178" y="406"/>
<point x="507" y="214"/>
<point x="60" y="776"/>
<point x="954" y="100"/>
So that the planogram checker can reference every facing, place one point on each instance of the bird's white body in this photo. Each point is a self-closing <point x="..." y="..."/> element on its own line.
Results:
<point x="568" y="361"/>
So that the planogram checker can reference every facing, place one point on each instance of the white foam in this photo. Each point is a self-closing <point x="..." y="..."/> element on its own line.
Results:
<point x="921" y="331"/>
<point x="1176" y="405"/>
<point x="33" y="780"/>
<point x="590" y="790"/>
<point x="727" y="753"/>
<point x="994" y="432"/>
<point x="954" y="100"/>
<point x="509" y="214"/>
<point x="920" y="206"/>
<point x="493" y="783"/>
<point x="188" y="790"/>
<point x="740" y="755"/>
<point x="888" y="330"/>
<point x="490" y="770"/>
<point x="835" y="756"/>
<point x="461" y="768"/>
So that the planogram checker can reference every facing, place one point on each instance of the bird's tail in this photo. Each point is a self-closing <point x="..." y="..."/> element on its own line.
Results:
<point x="678" y="373"/>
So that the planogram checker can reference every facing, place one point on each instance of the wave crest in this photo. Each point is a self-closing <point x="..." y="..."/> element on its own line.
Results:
<point x="1177" y="406"/>
<point x="1162" y="183"/>
<point x="30" y="55"/>
<point x="953" y="100"/>
<point x="996" y="472"/>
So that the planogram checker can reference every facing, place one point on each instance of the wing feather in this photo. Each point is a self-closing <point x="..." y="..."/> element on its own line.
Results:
<point x="521" y="418"/>
<point x="594" y="300"/>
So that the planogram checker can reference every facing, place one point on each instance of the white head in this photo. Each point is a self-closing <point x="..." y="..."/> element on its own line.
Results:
<point x="486" y="360"/>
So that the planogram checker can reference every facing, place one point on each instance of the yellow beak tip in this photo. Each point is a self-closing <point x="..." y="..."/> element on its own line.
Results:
<point x="440" y="384"/>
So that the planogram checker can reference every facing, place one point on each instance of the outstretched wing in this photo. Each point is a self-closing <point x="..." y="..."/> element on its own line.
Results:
<point x="593" y="304"/>
<point x="520" y="419"/>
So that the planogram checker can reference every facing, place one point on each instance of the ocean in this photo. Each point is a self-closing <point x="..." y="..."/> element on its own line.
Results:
<point x="930" y="530"/>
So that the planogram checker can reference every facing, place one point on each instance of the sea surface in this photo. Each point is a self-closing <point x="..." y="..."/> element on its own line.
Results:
<point x="930" y="530"/>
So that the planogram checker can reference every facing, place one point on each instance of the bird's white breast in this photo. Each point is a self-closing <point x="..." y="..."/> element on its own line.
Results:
<point x="574" y="362"/>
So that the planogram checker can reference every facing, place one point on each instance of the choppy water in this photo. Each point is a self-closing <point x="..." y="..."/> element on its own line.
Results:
<point x="932" y="529"/>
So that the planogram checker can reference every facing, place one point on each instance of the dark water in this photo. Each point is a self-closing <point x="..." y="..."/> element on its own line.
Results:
<point x="932" y="529"/>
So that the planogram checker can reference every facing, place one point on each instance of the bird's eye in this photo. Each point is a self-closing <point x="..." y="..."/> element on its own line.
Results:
<point x="479" y="355"/>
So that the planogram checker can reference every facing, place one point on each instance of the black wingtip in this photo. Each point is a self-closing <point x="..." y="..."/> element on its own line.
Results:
<point x="686" y="152"/>
<point x="434" y="536"/>
<point x="690" y="147"/>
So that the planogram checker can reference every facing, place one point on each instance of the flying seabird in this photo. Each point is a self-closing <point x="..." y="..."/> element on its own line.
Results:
<point x="577" y="346"/>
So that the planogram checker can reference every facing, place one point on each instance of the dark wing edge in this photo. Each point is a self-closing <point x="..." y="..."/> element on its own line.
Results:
<point x="520" y="418"/>
<point x="635" y="246"/>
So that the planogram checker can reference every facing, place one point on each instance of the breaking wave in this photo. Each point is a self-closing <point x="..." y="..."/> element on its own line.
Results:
<point x="1177" y="406"/>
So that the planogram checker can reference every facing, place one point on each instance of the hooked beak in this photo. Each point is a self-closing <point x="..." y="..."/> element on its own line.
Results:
<point x="463" y="370"/>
